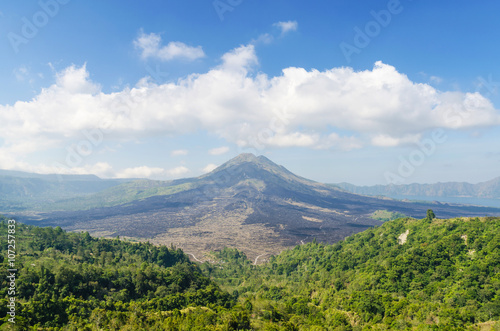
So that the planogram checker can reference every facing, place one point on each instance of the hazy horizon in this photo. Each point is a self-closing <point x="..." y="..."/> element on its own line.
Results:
<point x="216" y="166"/>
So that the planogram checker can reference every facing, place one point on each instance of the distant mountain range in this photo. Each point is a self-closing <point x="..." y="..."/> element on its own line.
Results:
<point x="28" y="191"/>
<point x="489" y="189"/>
<point x="249" y="203"/>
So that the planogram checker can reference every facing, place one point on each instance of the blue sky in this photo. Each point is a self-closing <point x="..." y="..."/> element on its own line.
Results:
<point x="370" y="92"/>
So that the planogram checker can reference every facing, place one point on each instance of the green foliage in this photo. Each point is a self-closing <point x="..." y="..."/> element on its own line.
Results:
<point x="72" y="279"/>
<point x="385" y="215"/>
<point x="446" y="275"/>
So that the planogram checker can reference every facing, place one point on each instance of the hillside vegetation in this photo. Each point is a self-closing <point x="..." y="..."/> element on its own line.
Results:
<point x="76" y="282"/>
<point x="445" y="275"/>
<point x="406" y="274"/>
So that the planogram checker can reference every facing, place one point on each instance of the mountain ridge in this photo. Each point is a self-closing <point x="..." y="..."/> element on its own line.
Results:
<point x="488" y="189"/>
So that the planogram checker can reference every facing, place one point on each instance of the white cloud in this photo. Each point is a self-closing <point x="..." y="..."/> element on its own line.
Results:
<point x="219" y="150"/>
<point x="149" y="172"/>
<point x="24" y="74"/>
<point x="177" y="172"/>
<point x="179" y="152"/>
<point x="241" y="58"/>
<point x="73" y="80"/>
<point x="208" y="168"/>
<point x="292" y="139"/>
<point x="335" y="141"/>
<point x="384" y="140"/>
<point x="435" y="79"/>
<point x="101" y="169"/>
<point x="140" y="172"/>
<point x="21" y="73"/>
<point x="287" y="26"/>
<point x="150" y="47"/>
<point x="303" y="108"/>
<point x="264" y="38"/>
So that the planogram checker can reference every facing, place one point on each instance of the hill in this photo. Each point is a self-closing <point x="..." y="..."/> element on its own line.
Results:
<point x="249" y="203"/>
<point x="20" y="191"/>
<point x="407" y="274"/>
<point x="489" y="189"/>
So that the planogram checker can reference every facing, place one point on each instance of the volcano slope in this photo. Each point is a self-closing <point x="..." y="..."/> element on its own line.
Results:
<point x="248" y="203"/>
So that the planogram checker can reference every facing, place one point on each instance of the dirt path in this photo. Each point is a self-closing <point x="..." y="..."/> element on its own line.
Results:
<point x="194" y="257"/>
<point x="257" y="258"/>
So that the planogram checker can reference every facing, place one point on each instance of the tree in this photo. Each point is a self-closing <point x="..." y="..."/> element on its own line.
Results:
<point x="430" y="215"/>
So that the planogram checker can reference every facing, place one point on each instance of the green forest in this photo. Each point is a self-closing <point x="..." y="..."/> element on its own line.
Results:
<point x="428" y="274"/>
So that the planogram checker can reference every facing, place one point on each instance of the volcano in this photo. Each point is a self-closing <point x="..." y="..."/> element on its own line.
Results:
<point x="249" y="203"/>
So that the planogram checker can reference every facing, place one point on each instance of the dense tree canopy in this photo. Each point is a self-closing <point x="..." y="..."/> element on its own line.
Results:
<point x="445" y="274"/>
<point x="74" y="279"/>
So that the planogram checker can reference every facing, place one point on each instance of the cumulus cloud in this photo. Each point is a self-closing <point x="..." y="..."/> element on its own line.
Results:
<point x="101" y="169"/>
<point x="336" y="108"/>
<point x="21" y="73"/>
<point x="150" y="47"/>
<point x="435" y="79"/>
<point x="140" y="172"/>
<point x="219" y="150"/>
<point x="177" y="172"/>
<point x="265" y="38"/>
<point x="179" y="152"/>
<point x="208" y="168"/>
<point x="149" y="172"/>
<point x="287" y="26"/>
<point x="384" y="140"/>
<point x="74" y="80"/>
<point x="239" y="59"/>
